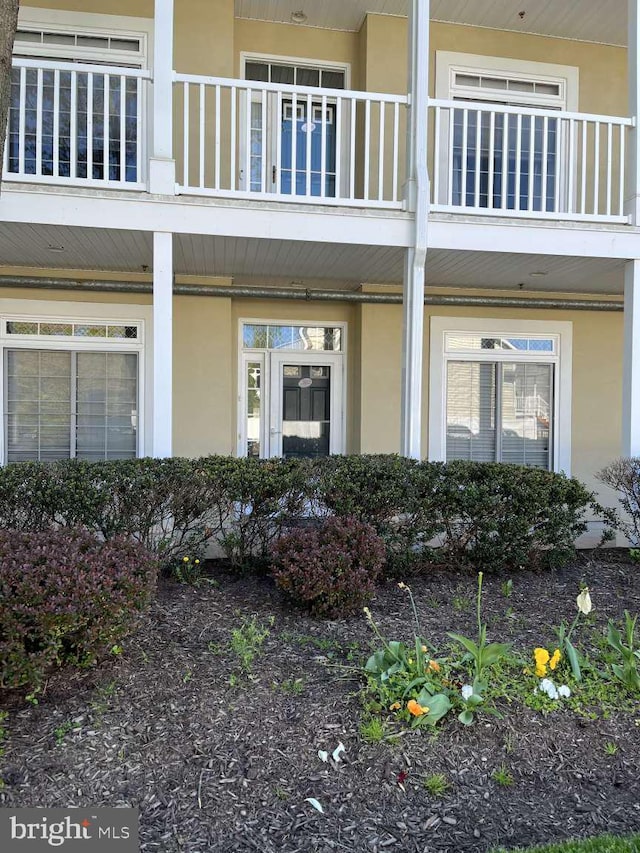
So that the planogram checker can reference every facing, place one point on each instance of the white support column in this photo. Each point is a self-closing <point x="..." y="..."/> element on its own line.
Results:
<point x="632" y="193"/>
<point x="417" y="198"/>
<point x="162" y="343"/>
<point x="631" y="363"/>
<point x="162" y="167"/>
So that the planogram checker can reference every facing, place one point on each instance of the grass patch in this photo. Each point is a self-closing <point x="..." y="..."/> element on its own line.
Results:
<point x="603" y="844"/>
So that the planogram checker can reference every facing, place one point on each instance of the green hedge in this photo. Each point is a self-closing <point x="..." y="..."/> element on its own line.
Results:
<point x="455" y="515"/>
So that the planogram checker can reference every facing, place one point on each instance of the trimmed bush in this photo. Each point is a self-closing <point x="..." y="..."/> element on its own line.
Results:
<point x="257" y="499"/>
<point x="504" y="517"/>
<point x="331" y="568"/>
<point x="623" y="475"/>
<point x="66" y="598"/>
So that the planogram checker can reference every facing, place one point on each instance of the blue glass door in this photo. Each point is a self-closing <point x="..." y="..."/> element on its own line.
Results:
<point x="294" y="135"/>
<point x="533" y="152"/>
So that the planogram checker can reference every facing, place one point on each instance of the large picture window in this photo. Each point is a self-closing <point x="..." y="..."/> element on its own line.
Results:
<point x="501" y="392"/>
<point x="72" y="386"/>
<point x="62" y="405"/>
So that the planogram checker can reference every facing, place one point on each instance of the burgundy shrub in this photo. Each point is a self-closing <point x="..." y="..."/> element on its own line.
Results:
<point x="66" y="598"/>
<point x="332" y="568"/>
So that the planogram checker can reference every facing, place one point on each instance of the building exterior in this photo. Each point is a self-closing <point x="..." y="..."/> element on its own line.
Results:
<point x="272" y="228"/>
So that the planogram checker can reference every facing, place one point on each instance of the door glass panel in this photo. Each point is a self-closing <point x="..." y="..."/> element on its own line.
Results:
<point x="254" y="410"/>
<point x="306" y="411"/>
<point x="38" y="405"/>
<point x="107" y="405"/>
<point x="471" y="411"/>
<point x="295" y="130"/>
<point x="526" y="414"/>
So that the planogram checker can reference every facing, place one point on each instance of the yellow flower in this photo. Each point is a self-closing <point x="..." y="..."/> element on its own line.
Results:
<point x="197" y="562"/>
<point x="434" y="666"/>
<point x="555" y="659"/>
<point x="541" y="657"/>
<point x="402" y="585"/>
<point x="394" y="707"/>
<point x="416" y="709"/>
<point x="410" y="661"/>
<point x="424" y="649"/>
<point x="185" y="559"/>
<point x="583" y="602"/>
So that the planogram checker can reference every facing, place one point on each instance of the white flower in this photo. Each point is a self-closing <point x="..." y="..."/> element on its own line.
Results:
<point x="564" y="691"/>
<point x="547" y="686"/>
<point x="583" y="602"/>
<point x="467" y="692"/>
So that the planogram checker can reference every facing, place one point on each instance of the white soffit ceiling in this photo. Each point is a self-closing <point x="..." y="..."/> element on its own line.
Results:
<point x="603" y="21"/>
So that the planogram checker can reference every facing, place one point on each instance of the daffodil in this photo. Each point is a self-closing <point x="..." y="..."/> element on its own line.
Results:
<point x="395" y="706"/>
<point x="416" y="709"/>
<point x="185" y="559"/>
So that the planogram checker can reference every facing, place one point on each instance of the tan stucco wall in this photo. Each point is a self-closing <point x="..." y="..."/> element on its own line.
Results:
<point x="137" y="8"/>
<point x="602" y="68"/>
<point x="309" y="43"/>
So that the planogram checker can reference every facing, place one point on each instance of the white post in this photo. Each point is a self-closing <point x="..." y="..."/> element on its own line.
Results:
<point x="632" y="193"/>
<point x="162" y="343"/>
<point x="417" y="198"/>
<point x="631" y="363"/>
<point x="162" y="167"/>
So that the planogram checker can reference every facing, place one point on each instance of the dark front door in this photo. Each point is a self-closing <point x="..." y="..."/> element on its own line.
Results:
<point x="306" y="410"/>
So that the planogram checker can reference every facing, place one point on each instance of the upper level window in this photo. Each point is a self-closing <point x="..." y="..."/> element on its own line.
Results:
<point x="505" y="159"/>
<point x="67" y="124"/>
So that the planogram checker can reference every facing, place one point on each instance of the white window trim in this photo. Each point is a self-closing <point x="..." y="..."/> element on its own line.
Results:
<point x="449" y="62"/>
<point x="83" y="312"/>
<point x="562" y="359"/>
<point x="272" y="58"/>
<point x="89" y="23"/>
<point x="261" y="355"/>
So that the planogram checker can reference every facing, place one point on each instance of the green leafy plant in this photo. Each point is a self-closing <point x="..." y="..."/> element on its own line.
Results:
<point x="611" y="748"/>
<point x="623" y="642"/>
<point x="480" y="653"/>
<point x="247" y="640"/>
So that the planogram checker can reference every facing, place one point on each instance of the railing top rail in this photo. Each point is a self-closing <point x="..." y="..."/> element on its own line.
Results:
<point x="286" y="88"/>
<point x="487" y="106"/>
<point x="48" y="65"/>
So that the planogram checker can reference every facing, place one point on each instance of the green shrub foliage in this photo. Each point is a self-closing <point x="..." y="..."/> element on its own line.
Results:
<point x="330" y="567"/>
<point x="66" y="598"/>
<point x="457" y="515"/>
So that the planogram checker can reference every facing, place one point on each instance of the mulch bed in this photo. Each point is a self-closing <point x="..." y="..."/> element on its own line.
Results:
<point x="215" y="767"/>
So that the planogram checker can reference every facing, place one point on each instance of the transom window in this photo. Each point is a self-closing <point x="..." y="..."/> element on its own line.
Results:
<point x="305" y="338"/>
<point x="294" y="75"/>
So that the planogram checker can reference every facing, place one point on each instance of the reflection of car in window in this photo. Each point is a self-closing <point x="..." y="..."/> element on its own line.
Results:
<point x="459" y="431"/>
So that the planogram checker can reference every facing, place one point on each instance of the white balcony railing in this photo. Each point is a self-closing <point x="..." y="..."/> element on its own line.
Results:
<point x="495" y="159"/>
<point x="290" y="143"/>
<point x="76" y="124"/>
